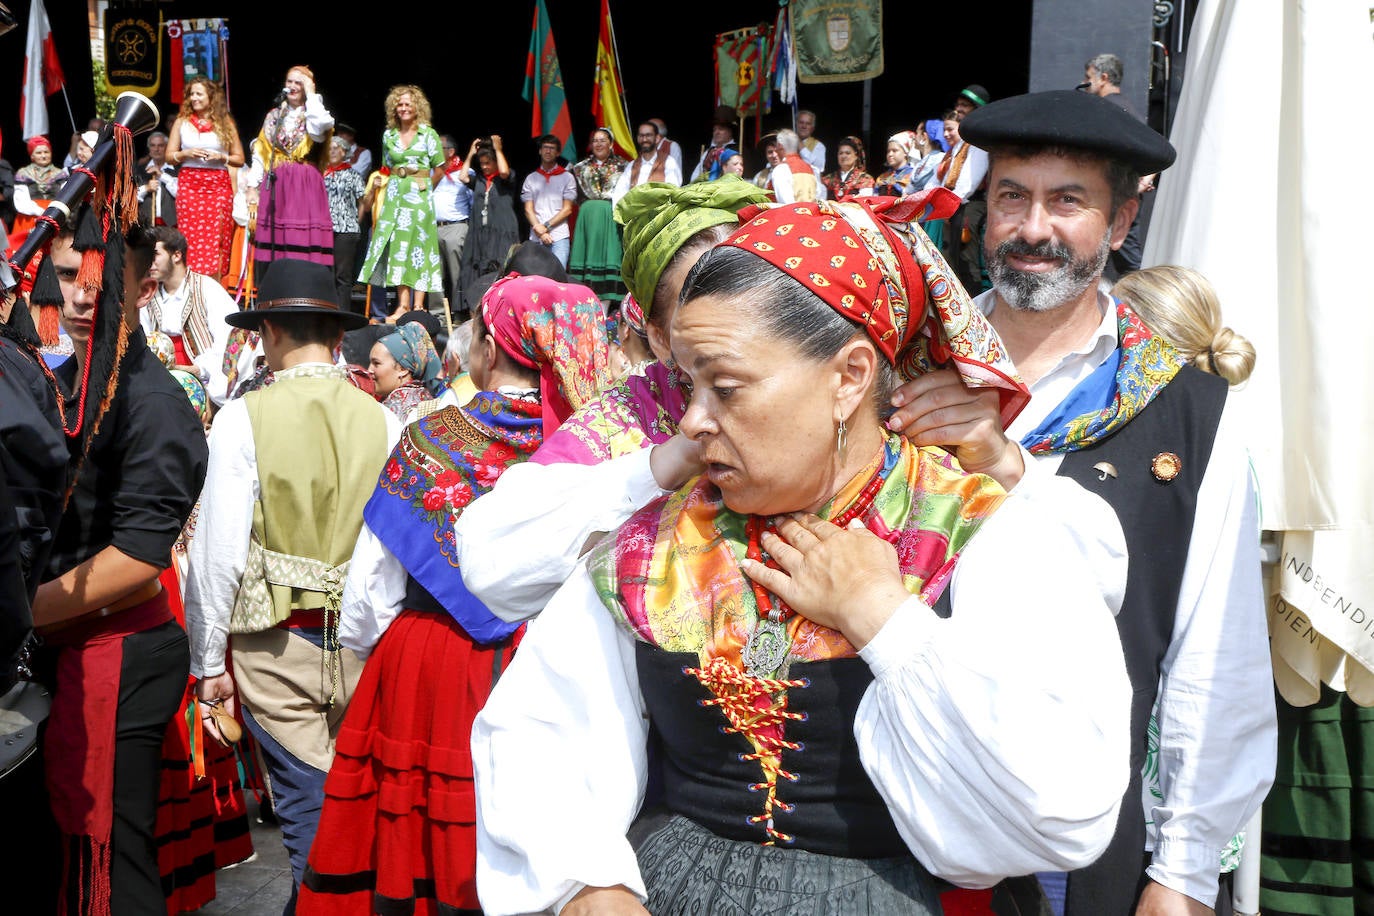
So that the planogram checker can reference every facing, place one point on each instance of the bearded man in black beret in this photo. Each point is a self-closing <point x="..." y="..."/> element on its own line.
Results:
<point x="1114" y="407"/>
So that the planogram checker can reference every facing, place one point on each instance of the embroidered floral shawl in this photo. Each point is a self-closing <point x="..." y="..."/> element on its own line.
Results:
<point x="440" y="465"/>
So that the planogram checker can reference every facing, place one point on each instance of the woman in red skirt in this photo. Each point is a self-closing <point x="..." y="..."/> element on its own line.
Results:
<point x="398" y="829"/>
<point x="205" y="143"/>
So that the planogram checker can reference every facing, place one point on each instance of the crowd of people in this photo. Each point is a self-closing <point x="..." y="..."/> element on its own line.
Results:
<point x="821" y="541"/>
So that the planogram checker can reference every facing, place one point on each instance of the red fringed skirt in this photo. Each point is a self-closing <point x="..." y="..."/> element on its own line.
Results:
<point x="205" y="215"/>
<point x="399" y="816"/>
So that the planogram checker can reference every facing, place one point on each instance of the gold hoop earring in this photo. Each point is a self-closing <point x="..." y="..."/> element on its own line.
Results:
<point x="840" y="439"/>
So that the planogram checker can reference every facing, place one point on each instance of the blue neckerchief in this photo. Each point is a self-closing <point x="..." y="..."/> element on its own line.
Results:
<point x="1139" y="368"/>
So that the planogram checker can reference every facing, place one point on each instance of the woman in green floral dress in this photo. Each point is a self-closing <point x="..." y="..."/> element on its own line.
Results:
<point x="405" y="244"/>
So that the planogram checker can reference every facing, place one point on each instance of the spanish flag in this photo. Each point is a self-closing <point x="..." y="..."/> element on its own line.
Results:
<point x="608" y="102"/>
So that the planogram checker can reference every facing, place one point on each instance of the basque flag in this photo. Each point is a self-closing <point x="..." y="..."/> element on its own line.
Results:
<point x="42" y="73"/>
<point x="544" y="85"/>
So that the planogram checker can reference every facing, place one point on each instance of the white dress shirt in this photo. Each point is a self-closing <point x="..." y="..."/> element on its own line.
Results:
<point x="519" y="542"/>
<point x="1216" y="710"/>
<point x="951" y="731"/>
<point x="218" y="553"/>
<point x="815" y="156"/>
<point x="672" y="174"/>
<point x="218" y="304"/>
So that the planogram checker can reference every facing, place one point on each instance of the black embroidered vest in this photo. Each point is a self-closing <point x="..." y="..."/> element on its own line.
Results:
<point x="836" y="809"/>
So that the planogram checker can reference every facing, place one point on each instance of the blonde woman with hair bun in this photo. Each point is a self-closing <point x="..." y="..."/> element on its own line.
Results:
<point x="1180" y="305"/>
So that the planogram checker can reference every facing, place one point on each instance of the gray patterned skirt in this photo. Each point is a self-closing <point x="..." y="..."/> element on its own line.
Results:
<point x="688" y="869"/>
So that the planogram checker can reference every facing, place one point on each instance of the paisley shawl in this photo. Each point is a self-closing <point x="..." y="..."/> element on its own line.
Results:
<point x="1141" y="367"/>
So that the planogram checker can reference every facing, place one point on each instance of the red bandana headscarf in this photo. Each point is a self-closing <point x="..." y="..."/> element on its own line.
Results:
<point x="870" y="260"/>
<point x="557" y="328"/>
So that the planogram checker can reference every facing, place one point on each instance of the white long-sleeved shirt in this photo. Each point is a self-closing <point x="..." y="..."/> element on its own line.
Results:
<point x="375" y="589"/>
<point x="519" y="542"/>
<point x="951" y="731"/>
<point x="373" y="594"/>
<point x="672" y="174"/>
<point x="783" y="189"/>
<point x="218" y="305"/>
<point x="974" y="170"/>
<point x="318" y="122"/>
<point x="166" y="177"/>
<point x="218" y="553"/>
<point x="1217" y="722"/>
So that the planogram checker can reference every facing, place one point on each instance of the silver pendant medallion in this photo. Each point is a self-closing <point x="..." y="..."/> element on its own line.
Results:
<point x="767" y="648"/>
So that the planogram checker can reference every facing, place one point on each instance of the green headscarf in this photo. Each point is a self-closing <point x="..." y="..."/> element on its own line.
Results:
<point x="659" y="217"/>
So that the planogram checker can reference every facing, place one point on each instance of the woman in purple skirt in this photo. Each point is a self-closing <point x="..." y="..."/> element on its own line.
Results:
<point x="286" y="197"/>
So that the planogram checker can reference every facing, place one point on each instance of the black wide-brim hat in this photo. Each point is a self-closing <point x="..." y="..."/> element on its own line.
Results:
<point x="295" y="287"/>
<point x="1069" y="118"/>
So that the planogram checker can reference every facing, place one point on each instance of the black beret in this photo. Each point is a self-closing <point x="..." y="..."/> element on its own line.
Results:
<point x="1068" y="117"/>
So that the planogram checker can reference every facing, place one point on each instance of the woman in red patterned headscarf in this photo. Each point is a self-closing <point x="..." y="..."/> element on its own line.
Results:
<point x="825" y="742"/>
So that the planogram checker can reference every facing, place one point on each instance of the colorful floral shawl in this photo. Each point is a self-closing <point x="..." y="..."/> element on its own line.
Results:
<point x="847" y="184"/>
<point x="597" y="178"/>
<point x="671" y="573"/>
<point x="1141" y="367"/>
<point x="441" y="464"/>
<point x="643" y="410"/>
